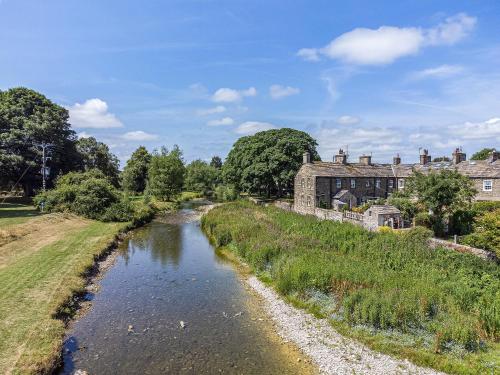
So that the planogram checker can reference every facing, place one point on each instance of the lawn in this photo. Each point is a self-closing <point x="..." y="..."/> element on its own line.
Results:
<point x="438" y="308"/>
<point x="42" y="259"/>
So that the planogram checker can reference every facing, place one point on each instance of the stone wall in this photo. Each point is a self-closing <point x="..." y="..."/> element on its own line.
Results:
<point x="493" y="195"/>
<point x="487" y="255"/>
<point x="287" y="206"/>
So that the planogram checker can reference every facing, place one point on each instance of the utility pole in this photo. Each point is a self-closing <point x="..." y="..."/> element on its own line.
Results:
<point x="45" y="169"/>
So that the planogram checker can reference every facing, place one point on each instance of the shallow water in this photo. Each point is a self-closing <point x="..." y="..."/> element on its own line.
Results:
<point x="167" y="272"/>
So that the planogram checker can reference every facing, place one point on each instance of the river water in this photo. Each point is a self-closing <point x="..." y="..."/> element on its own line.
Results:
<point x="171" y="304"/>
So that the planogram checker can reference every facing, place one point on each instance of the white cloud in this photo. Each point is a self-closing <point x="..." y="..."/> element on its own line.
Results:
<point x="211" y="111"/>
<point x="278" y="91"/>
<point x="348" y="120"/>
<point x="441" y="71"/>
<point x="93" y="114"/>
<point x="309" y="54"/>
<point x="486" y="130"/>
<point x="228" y="95"/>
<point x="363" y="46"/>
<point x="452" y="30"/>
<point x="222" y="122"/>
<point x="139" y="135"/>
<point x="83" y="135"/>
<point x="252" y="127"/>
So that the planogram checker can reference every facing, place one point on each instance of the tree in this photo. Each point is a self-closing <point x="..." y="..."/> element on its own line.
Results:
<point x="135" y="173"/>
<point x="482" y="154"/>
<point x="268" y="160"/>
<point x="216" y="162"/>
<point x="28" y="119"/>
<point x="96" y="155"/>
<point x="441" y="193"/>
<point x="200" y="176"/>
<point x="166" y="173"/>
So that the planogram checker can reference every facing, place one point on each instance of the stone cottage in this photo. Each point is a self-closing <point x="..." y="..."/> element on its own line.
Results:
<point x="340" y="185"/>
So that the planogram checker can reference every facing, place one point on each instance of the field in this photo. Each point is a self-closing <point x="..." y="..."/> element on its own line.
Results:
<point x="42" y="260"/>
<point x="437" y="308"/>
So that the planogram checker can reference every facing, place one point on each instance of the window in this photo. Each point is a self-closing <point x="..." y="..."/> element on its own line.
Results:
<point x="487" y="185"/>
<point x="353" y="183"/>
<point x="303" y="183"/>
<point x="302" y="200"/>
<point x="391" y="183"/>
<point x="338" y="183"/>
<point x="377" y="183"/>
<point x="309" y="200"/>
<point x="308" y="183"/>
<point x="401" y="183"/>
<point x="367" y="183"/>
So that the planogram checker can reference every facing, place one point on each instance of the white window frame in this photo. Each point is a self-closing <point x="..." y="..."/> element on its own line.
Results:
<point x="487" y="185"/>
<point x="401" y="183"/>
<point x="377" y="183"/>
<point x="338" y="183"/>
<point x="391" y="183"/>
<point x="353" y="183"/>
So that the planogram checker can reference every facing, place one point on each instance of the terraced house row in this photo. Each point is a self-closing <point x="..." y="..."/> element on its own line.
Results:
<point x="333" y="185"/>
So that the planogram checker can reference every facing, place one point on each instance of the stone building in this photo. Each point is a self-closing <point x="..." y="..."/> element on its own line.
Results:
<point x="325" y="184"/>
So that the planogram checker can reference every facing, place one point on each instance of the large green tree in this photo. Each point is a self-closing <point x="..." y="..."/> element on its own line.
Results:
<point x="96" y="155"/>
<point x="166" y="173"/>
<point x="268" y="161"/>
<point x="135" y="173"/>
<point x="216" y="162"/>
<point x="200" y="176"/>
<point x="441" y="193"/>
<point x="27" y="120"/>
<point x="482" y="154"/>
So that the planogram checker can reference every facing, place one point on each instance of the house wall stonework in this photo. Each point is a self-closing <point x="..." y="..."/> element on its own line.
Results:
<point x="493" y="195"/>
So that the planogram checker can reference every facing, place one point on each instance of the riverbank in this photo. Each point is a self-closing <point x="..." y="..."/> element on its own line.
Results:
<point x="390" y="292"/>
<point x="45" y="264"/>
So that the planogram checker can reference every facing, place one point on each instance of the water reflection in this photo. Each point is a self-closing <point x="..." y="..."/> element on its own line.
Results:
<point x="168" y="273"/>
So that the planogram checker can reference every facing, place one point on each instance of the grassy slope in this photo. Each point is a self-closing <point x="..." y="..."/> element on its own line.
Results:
<point x="36" y="280"/>
<point x="390" y="291"/>
<point x="15" y="213"/>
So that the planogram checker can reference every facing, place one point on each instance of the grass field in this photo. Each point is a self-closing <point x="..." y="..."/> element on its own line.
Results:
<point x="42" y="259"/>
<point x="438" y="308"/>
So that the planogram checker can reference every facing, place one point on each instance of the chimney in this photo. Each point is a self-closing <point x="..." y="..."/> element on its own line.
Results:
<point x="341" y="157"/>
<point x="458" y="156"/>
<point x="396" y="160"/>
<point x="365" y="159"/>
<point x="306" y="158"/>
<point x="425" y="157"/>
<point x="494" y="156"/>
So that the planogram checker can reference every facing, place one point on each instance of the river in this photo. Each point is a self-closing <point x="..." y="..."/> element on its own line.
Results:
<point x="171" y="304"/>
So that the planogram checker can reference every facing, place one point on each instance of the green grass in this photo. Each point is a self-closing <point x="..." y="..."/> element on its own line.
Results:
<point x="35" y="284"/>
<point x="16" y="213"/>
<point x="438" y="308"/>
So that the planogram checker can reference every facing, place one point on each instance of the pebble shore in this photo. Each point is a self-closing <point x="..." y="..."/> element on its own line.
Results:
<point x="331" y="352"/>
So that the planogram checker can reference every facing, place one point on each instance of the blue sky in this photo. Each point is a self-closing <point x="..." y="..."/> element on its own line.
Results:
<point x="382" y="77"/>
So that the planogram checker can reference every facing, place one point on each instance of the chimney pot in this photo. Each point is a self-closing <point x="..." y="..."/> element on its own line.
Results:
<point x="341" y="157"/>
<point x="396" y="160"/>
<point x="365" y="159"/>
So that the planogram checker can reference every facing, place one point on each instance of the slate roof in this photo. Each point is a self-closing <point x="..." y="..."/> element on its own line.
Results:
<point x="477" y="169"/>
<point x="384" y="209"/>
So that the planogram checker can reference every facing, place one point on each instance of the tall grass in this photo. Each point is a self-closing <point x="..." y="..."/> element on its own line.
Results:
<point x="384" y="280"/>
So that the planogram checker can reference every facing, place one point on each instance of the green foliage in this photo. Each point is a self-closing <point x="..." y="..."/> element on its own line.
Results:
<point x="486" y="233"/>
<point x="27" y="118"/>
<point x="267" y="161"/>
<point x="216" y="162"/>
<point x="386" y="280"/>
<point x="226" y="193"/>
<point x="442" y="193"/>
<point x="96" y="155"/>
<point x="482" y="154"/>
<point x="166" y="174"/>
<point x="200" y="176"/>
<point x="407" y="207"/>
<point x="135" y="173"/>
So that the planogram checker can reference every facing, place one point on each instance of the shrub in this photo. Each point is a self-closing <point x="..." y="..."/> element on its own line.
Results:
<point x="226" y="193"/>
<point x="423" y="219"/>
<point x="89" y="194"/>
<point x="486" y="233"/>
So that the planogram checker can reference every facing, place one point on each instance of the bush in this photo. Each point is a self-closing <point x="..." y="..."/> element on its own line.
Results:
<point x="226" y="193"/>
<point x="89" y="194"/>
<point x="486" y="233"/>
<point x="423" y="219"/>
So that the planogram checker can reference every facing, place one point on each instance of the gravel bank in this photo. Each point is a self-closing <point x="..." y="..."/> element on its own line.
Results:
<point x="330" y="351"/>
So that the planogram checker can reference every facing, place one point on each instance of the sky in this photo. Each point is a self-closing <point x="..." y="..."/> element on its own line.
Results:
<point x="375" y="77"/>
